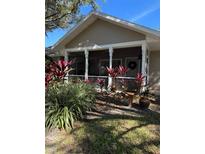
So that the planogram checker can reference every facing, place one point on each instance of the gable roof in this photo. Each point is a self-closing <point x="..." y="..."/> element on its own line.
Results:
<point x="93" y="16"/>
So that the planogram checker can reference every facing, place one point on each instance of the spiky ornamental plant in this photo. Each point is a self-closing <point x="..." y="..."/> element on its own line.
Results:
<point x="122" y="70"/>
<point x="67" y="102"/>
<point x="57" y="70"/>
<point x="117" y="71"/>
<point x="113" y="72"/>
<point x="139" y="81"/>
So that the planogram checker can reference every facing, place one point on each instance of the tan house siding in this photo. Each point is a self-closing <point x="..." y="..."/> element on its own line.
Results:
<point x="102" y="32"/>
<point x="155" y="72"/>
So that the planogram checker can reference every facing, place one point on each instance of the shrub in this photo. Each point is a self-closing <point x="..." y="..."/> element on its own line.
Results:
<point x="67" y="102"/>
<point x="56" y="70"/>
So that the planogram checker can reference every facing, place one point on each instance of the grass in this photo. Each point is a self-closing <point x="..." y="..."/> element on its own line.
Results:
<point x="108" y="135"/>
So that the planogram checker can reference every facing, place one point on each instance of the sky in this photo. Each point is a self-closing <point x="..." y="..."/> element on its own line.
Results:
<point x="143" y="12"/>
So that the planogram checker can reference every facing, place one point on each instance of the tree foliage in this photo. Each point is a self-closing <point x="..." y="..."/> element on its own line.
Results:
<point x="62" y="13"/>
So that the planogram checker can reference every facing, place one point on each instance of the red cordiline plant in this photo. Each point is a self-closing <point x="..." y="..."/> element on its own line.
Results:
<point x="57" y="70"/>
<point x="101" y="83"/>
<point x="139" y="80"/>
<point x="122" y="70"/>
<point x="117" y="71"/>
<point x="113" y="72"/>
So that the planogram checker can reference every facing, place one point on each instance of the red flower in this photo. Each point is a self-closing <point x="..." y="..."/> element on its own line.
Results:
<point x="122" y="70"/>
<point x="112" y="72"/>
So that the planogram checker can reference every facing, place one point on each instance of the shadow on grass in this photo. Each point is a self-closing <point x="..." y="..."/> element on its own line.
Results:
<point x="106" y="139"/>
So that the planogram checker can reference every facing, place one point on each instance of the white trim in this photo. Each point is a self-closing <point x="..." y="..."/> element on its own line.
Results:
<point x="95" y="76"/>
<point x="107" y="46"/>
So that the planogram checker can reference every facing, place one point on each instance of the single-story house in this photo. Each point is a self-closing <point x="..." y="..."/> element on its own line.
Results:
<point x="101" y="41"/>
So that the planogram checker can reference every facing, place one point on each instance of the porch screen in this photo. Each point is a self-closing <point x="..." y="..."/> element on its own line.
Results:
<point x="105" y="63"/>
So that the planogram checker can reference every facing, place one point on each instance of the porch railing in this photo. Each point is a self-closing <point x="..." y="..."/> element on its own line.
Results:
<point x="128" y="81"/>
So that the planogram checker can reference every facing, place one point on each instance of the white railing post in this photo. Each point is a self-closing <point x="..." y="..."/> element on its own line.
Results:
<point x="66" y="59"/>
<point x="110" y="66"/>
<point x="86" y="64"/>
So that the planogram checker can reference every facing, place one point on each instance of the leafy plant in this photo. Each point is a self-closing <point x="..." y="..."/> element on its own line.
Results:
<point x="101" y="83"/>
<point x="64" y="13"/>
<point x="113" y="72"/>
<point x="57" y="70"/>
<point x="122" y="70"/>
<point x="67" y="102"/>
<point x="117" y="71"/>
<point x="139" y="81"/>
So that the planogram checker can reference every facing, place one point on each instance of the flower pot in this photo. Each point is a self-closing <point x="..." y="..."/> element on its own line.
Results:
<point x="144" y="102"/>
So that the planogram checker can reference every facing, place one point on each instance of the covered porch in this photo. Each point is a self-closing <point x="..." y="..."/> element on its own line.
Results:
<point x="90" y="62"/>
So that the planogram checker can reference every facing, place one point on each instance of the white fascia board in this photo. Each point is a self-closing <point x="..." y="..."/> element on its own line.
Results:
<point x="107" y="46"/>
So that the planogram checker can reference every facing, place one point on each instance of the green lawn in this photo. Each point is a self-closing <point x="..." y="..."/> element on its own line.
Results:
<point x="116" y="134"/>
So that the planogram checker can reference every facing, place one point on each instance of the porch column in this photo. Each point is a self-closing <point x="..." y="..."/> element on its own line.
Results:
<point x="86" y="64"/>
<point x="66" y="59"/>
<point x="144" y="63"/>
<point x="110" y="65"/>
<point x="148" y="62"/>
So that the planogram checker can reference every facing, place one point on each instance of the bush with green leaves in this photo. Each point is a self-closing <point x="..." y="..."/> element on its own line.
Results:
<point x="67" y="102"/>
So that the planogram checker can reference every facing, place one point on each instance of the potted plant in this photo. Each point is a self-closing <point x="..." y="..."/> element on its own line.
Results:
<point x="144" y="102"/>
